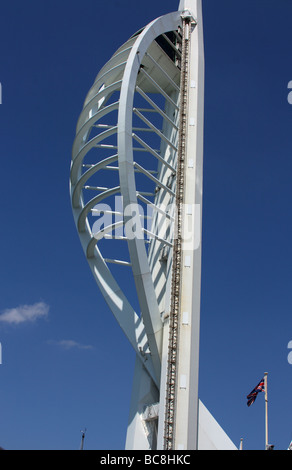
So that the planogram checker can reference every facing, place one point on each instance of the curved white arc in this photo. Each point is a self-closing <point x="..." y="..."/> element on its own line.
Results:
<point x="83" y="131"/>
<point x="106" y="83"/>
<point x="121" y="55"/>
<point x="82" y="219"/>
<point x="98" y="96"/>
<point x="99" y="235"/>
<point x="77" y="159"/>
<point x="138" y="255"/>
<point x="130" y="323"/>
<point x="82" y="180"/>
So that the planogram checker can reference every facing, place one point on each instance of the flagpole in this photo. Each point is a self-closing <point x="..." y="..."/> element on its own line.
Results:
<point x="266" y="410"/>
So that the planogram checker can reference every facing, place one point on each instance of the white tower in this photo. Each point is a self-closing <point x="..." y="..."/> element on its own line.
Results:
<point x="139" y="140"/>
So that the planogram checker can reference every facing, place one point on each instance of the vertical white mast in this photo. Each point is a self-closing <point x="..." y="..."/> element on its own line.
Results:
<point x="266" y="411"/>
<point x="181" y="411"/>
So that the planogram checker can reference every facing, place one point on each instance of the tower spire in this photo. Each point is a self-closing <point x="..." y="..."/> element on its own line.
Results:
<point x="155" y="156"/>
<point x="191" y="5"/>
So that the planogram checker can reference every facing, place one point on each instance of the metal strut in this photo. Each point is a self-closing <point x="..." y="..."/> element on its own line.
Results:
<point x="169" y="425"/>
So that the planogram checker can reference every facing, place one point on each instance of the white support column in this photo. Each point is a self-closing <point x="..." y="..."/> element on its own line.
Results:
<point x="144" y="392"/>
<point x="186" y="418"/>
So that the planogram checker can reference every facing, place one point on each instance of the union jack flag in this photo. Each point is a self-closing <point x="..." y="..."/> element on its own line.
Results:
<point x="254" y="393"/>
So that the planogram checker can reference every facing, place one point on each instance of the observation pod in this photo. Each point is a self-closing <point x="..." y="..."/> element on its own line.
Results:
<point x="136" y="190"/>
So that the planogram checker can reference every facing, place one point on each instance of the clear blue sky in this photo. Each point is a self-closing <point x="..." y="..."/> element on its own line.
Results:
<point x="66" y="364"/>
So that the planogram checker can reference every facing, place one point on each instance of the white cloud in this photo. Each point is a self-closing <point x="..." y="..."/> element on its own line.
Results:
<point x="69" y="344"/>
<point x="25" y="313"/>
